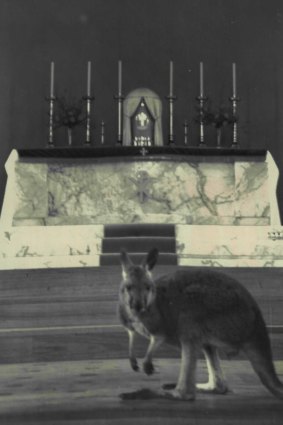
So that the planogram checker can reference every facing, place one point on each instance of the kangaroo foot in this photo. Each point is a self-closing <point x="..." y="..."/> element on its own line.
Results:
<point x="179" y="394"/>
<point x="134" y="364"/>
<point x="148" y="368"/>
<point x="219" y="388"/>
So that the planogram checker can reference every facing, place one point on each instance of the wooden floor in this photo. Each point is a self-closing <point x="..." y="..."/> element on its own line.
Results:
<point x="63" y="356"/>
<point x="88" y="392"/>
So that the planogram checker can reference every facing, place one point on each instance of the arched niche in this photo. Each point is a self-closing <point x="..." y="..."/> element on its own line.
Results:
<point x="142" y="118"/>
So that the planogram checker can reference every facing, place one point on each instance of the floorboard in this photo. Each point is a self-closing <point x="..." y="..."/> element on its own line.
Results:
<point x="89" y="392"/>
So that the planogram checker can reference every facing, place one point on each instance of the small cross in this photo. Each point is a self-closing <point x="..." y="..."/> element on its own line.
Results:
<point x="144" y="151"/>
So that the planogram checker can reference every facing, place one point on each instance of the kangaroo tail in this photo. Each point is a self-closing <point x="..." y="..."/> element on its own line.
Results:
<point x="258" y="351"/>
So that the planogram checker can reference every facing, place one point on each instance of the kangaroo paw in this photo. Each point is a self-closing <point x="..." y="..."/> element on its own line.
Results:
<point x="134" y="364"/>
<point x="148" y="368"/>
<point x="169" y="386"/>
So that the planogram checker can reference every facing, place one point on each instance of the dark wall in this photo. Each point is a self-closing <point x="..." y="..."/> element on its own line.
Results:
<point x="146" y="35"/>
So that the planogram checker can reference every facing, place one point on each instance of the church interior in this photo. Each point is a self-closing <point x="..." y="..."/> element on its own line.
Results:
<point x="133" y="125"/>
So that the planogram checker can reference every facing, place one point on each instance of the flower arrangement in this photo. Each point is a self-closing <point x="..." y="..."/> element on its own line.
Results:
<point x="218" y="118"/>
<point x="68" y="115"/>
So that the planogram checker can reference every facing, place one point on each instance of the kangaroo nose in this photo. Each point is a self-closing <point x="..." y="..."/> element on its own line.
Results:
<point x="138" y="306"/>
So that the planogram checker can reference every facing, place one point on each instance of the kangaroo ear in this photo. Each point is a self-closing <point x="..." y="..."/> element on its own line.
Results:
<point x="125" y="261"/>
<point x="151" y="259"/>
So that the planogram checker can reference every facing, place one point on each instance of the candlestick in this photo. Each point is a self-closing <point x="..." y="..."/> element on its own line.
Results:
<point x="186" y="126"/>
<point x="202" y="99"/>
<point x="234" y="100"/>
<point x="102" y="132"/>
<point x="51" y="99"/>
<point x="89" y="99"/>
<point x="201" y="79"/>
<point x="120" y="99"/>
<point x="89" y="78"/>
<point x="119" y="78"/>
<point x="201" y="118"/>
<point x="234" y="79"/>
<point x="235" y="140"/>
<point x="52" y="79"/>
<point x="171" y="79"/>
<point x="171" y="98"/>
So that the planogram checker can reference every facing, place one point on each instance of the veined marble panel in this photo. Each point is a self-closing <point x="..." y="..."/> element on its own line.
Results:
<point x="127" y="192"/>
<point x="224" y="262"/>
<point x="248" y="246"/>
<point x="66" y="192"/>
<point x="31" y="195"/>
<point x="27" y="242"/>
<point x="24" y="263"/>
<point x="251" y="190"/>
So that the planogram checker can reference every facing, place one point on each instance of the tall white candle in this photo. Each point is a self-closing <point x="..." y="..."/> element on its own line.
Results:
<point x="201" y="79"/>
<point x="171" y="79"/>
<point x="234" y="79"/>
<point x="89" y="79"/>
<point x="120" y="78"/>
<point x="52" y="79"/>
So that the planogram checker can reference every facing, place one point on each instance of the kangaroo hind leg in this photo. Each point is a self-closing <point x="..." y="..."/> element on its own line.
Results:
<point x="186" y="387"/>
<point x="216" y="380"/>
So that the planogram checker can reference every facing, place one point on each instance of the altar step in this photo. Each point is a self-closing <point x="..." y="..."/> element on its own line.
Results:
<point x="150" y="229"/>
<point x="137" y="240"/>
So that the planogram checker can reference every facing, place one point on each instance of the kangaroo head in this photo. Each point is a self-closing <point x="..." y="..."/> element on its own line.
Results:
<point x="138" y="288"/>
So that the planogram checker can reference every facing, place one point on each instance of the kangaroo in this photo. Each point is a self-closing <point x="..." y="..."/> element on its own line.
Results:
<point x="196" y="310"/>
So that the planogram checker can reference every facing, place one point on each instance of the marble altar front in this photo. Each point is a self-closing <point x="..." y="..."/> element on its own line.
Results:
<point x="222" y="202"/>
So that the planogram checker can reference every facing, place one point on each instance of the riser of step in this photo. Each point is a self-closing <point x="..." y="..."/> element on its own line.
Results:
<point x="124" y="230"/>
<point x="137" y="258"/>
<point x="138" y="244"/>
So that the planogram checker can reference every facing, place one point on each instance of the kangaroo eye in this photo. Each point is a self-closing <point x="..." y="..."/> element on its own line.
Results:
<point x="129" y="287"/>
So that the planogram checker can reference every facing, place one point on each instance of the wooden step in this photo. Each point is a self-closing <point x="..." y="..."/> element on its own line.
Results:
<point x="139" y="244"/>
<point x="124" y="230"/>
<point x="137" y="258"/>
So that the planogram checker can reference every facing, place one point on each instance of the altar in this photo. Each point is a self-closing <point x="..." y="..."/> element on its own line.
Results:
<point x="77" y="207"/>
